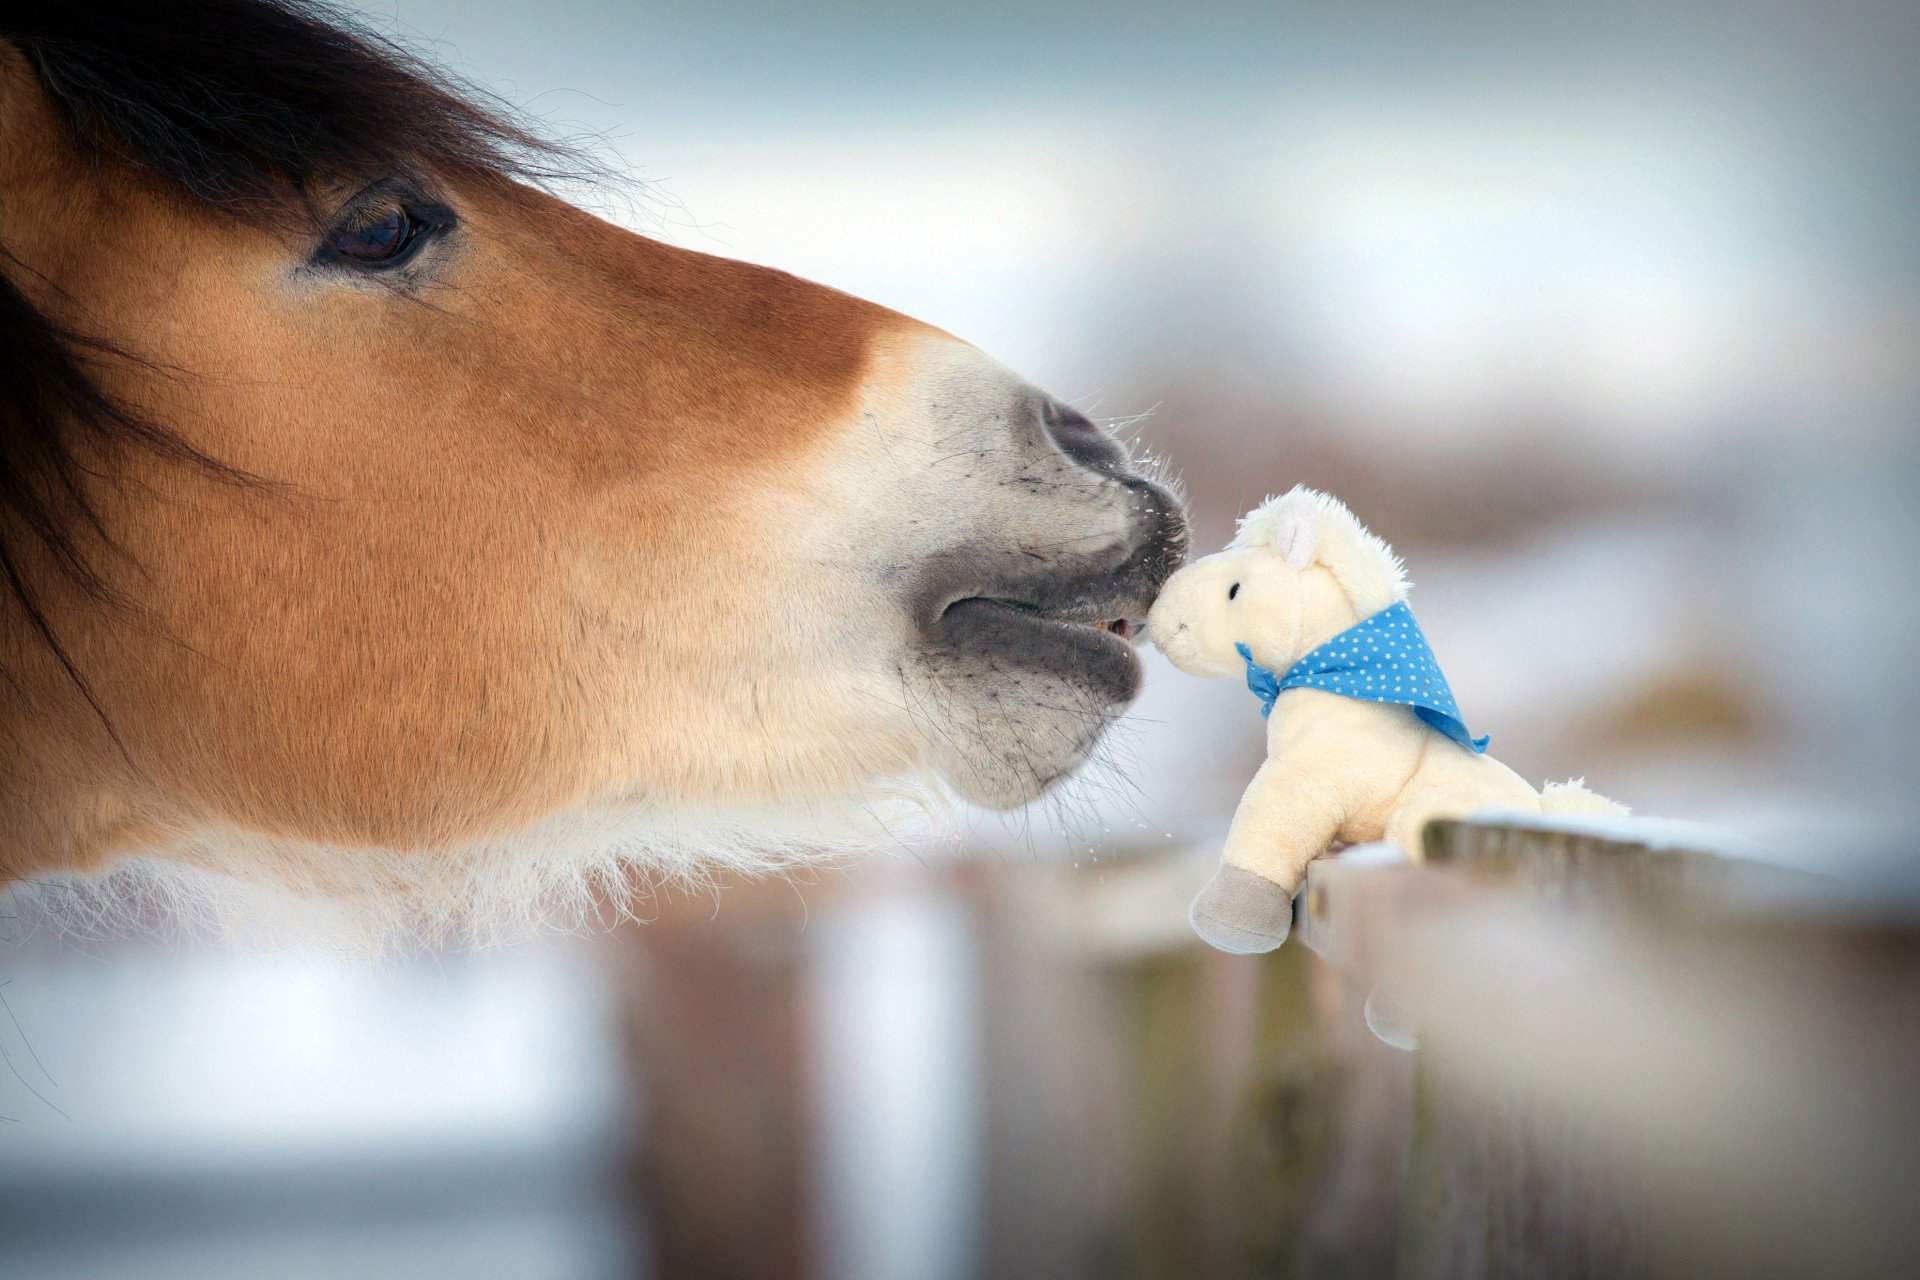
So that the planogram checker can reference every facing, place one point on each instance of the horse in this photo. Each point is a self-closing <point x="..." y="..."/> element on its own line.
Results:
<point x="380" y="527"/>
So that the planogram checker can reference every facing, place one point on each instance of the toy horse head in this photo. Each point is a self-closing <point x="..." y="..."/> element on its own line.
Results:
<point x="1300" y="570"/>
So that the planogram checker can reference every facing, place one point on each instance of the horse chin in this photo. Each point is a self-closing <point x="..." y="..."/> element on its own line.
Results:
<point x="1020" y="699"/>
<point x="1023" y="741"/>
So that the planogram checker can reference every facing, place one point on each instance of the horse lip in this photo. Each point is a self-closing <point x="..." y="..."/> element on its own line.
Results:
<point x="1093" y="590"/>
<point x="1121" y="617"/>
<point x="1116" y="622"/>
<point x="1125" y="591"/>
<point x="1065" y="647"/>
<point x="1082" y="614"/>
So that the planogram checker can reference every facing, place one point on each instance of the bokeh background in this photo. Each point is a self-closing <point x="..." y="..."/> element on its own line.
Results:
<point x="1604" y="315"/>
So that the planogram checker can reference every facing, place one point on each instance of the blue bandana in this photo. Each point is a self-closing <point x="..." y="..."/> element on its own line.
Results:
<point x="1383" y="659"/>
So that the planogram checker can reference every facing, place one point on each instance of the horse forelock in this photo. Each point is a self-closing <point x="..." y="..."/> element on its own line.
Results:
<point x="251" y="105"/>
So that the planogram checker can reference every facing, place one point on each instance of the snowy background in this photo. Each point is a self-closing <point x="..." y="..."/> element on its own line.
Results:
<point x="1605" y="316"/>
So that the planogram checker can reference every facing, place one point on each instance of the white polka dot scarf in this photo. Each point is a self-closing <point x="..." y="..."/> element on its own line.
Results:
<point x="1382" y="659"/>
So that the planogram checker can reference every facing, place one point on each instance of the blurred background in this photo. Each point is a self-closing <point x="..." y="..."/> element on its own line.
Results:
<point x="1603" y="315"/>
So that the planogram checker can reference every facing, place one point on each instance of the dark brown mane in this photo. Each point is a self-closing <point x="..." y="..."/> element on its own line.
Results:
<point x="247" y="106"/>
<point x="242" y="102"/>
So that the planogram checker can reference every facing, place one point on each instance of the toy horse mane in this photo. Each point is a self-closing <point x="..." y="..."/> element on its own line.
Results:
<point x="1363" y="565"/>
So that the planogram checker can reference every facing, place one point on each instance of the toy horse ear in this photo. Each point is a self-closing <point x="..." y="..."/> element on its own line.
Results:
<point x="1294" y="538"/>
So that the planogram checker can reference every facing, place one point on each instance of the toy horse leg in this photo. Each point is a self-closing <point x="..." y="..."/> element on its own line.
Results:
<point x="1285" y="820"/>
<point x="1417" y="809"/>
<point x="1452" y="783"/>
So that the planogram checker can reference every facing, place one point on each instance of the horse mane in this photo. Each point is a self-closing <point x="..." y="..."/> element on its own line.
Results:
<point x="249" y="107"/>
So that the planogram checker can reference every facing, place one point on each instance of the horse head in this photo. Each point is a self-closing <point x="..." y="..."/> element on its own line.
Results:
<point x="360" y="495"/>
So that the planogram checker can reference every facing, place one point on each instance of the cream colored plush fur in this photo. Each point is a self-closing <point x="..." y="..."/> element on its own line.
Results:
<point x="1301" y="570"/>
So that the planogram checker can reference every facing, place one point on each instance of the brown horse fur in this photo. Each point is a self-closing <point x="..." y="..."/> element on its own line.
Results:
<point x="558" y="552"/>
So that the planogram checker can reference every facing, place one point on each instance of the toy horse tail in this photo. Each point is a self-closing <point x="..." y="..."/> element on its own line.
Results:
<point x="1572" y="796"/>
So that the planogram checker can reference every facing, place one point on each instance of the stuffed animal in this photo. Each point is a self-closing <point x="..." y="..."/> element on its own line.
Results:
<point x="1364" y="741"/>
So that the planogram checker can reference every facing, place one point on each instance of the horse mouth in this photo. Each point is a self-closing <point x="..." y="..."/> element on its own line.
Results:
<point x="1089" y="646"/>
<point x="1025" y="660"/>
<point x="1130" y="630"/>
<point x="1011" y="634"/>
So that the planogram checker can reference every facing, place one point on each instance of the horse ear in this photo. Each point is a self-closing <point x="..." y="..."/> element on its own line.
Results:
<point x="1294" y="538"/>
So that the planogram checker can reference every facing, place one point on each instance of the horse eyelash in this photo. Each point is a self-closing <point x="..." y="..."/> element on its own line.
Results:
<point x="1233" y="591"/>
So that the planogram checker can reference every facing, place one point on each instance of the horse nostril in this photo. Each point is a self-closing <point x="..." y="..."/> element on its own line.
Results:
<point x="1065" y="420"/>
<point x="1078" y="436"/>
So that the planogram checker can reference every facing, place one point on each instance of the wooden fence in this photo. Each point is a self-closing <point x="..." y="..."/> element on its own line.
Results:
<point x="1537" y="1053"/>
<point x="1632" y="1061"/>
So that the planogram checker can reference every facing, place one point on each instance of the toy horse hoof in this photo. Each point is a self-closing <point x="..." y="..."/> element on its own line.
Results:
<point x="1241" y="913"/>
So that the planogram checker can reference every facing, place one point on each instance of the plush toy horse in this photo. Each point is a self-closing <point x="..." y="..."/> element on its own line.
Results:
<point x="1364" y="741"/>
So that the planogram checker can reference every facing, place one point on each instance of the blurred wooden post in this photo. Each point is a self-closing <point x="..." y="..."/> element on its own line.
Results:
<point x="716" y="1017"/>
<point x="1637" y="1061"/>
<point x="1157" y="1109"/>
<point x="1320" y="1141"/>
<point x="1508" y="1189"/>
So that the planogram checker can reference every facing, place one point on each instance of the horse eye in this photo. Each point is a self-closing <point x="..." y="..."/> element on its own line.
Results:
<point x="1233" y="591"/>
<point x="383" y="239"/>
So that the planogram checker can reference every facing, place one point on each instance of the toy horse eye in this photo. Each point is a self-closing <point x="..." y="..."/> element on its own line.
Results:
<point x="1233" y="591"/>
